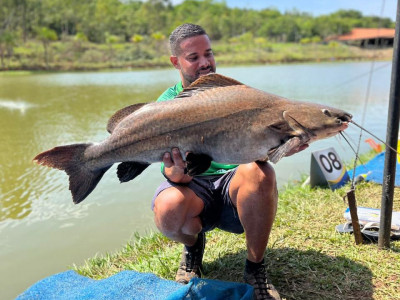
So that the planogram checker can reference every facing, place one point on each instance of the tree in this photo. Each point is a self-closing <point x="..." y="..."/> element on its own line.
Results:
<point x="111" y="39"/>
<point x="7" y="42"/>
<point x="46" y="35"/>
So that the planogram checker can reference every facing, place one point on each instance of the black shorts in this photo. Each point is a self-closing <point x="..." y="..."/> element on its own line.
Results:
<point x="218" y="211"/>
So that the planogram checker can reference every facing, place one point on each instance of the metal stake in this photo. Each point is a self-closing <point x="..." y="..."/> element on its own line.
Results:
<point x="391" y="139"/>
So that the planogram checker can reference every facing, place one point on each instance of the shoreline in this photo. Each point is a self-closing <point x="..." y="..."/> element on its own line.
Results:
<point x="274" y="54"/>
<point x="24" y="71"/>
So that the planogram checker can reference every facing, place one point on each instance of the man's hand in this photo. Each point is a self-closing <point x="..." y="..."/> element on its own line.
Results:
<point x="174" y="167"/>
<point x="296" y="150"/>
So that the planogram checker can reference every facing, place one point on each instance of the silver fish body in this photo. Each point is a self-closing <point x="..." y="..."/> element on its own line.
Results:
<point x="216" y="116"/>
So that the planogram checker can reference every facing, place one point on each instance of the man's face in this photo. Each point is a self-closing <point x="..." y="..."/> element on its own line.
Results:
<point x="195" y="59"/>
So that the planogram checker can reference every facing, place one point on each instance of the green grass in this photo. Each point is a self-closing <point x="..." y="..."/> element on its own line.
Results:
<point x="71" y="55"/>
<point x="306" y="258"/>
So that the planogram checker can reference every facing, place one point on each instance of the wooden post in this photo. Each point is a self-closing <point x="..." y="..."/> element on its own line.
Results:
<point x="351" y="198"/>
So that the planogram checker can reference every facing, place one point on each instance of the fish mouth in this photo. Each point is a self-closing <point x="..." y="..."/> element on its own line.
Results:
<point x="346" y="117"/>
<point x="343" y="121"/>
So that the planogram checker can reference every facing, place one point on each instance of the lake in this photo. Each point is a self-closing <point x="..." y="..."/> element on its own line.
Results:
<point x="42" y="232"/>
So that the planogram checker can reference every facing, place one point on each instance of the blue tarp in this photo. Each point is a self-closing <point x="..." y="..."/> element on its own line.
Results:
<point x="132" y="285"/>
<point x="374" y="169"/>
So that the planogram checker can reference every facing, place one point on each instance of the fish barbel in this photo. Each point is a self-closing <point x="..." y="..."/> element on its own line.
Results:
<point x="216" y="118"/>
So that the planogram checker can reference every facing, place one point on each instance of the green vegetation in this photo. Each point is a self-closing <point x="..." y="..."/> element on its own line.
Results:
<point x="76" y="54"/>
<point x="95" y="34"/>
<point x="306" y="258"/>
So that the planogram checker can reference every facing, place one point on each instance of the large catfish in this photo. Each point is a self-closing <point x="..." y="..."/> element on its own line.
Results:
<point x="215" y="118"/>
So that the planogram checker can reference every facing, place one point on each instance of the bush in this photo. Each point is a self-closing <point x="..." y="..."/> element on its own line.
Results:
<point x="305" y="40"/>
<point x="333" y="44"/>
<point x="92" y="56"/>
<point x="80" y="37"/>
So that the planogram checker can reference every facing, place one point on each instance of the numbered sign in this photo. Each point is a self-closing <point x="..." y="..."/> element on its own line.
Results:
<point x="327" y="169"/>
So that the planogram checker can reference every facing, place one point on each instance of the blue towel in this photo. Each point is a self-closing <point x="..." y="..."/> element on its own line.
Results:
<point x="374" y="169"/>
<point x="132" y="285"/>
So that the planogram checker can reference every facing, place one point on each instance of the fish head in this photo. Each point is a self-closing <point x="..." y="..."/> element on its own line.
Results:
<point x="312" y="122"/>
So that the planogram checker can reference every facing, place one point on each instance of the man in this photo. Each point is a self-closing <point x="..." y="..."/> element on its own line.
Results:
<point x="234" y="198"/>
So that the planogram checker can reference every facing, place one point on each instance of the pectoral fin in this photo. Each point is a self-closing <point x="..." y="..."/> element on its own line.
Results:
<point x="129" y="170"/>
<point x="276" y="154"/>
<point x="197" y="163"/>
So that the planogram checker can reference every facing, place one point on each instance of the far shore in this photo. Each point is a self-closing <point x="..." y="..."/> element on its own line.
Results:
<point x="66" y="56"/>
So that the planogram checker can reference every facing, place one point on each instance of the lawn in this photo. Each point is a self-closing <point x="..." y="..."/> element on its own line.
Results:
<point x="306" y="258"/>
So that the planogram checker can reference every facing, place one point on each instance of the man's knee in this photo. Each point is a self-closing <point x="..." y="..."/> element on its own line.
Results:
<point x="254" y="181"/>
<point x="173" y="207"/>
<point x="259" y="173"/>
<point x="168" y="207"/>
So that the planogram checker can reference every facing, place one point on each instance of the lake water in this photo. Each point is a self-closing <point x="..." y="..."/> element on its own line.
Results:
<point x="42" y="232"/>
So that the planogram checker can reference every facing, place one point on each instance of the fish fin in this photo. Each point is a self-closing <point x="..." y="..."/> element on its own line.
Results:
<point x="275" y="155"/>
<point x="128" y="170"/>
<point x="70" y="159"/>
<point x="197" y="163"/>
<point x="205" y="82"/>
<point x="117" y="117"/>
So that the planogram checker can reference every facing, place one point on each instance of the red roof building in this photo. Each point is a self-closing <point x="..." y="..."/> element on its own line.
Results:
<point x="367" y="37"/>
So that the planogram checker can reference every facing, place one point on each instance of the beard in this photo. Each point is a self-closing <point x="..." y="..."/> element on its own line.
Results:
<point x="200" y="72"/>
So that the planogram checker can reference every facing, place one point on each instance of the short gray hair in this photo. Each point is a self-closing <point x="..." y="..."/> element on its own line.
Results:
<point x="181" y="33"/>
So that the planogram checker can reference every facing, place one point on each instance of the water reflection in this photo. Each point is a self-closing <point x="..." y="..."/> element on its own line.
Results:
<point x="20" y="106"/>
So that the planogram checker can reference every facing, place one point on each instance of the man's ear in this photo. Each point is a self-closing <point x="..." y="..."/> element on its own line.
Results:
<point x="174" y="61"/>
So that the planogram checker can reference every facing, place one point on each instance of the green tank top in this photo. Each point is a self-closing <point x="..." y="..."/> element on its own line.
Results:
<point x="215" y="168"/>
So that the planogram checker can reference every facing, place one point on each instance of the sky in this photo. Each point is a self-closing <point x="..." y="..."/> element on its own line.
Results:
<point x="320" y="7"/>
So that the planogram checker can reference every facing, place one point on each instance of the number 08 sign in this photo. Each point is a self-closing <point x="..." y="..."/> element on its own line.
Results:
<point x="327" y="169"/>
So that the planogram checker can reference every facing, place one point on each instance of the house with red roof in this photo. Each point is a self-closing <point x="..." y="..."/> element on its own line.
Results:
<point x="367" y="37"/>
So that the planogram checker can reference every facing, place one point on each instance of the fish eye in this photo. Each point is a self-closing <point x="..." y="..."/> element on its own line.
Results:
<point x="326" y="112"/>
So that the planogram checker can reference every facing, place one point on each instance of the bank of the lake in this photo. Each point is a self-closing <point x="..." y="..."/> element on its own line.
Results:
<point x="70" y="55"/>
<point x="306" y="258"/>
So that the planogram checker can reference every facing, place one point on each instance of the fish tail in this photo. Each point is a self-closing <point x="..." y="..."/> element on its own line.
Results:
<point x="70" y="159"/>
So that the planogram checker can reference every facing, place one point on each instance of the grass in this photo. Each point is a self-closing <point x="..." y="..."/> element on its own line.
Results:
<point x="306" y="258"/>
<point x="69" y="55"/>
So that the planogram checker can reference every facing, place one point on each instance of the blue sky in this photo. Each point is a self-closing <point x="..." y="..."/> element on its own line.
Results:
<point x="320" y="7"/>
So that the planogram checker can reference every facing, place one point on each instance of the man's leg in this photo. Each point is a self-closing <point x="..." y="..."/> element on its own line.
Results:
<point x="254" y="193"/>
<point x="176" y="215"/>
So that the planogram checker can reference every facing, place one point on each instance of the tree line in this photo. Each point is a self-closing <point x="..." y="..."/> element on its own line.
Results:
<point x="98" y="32"/>
<point x="100" y="21"/>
